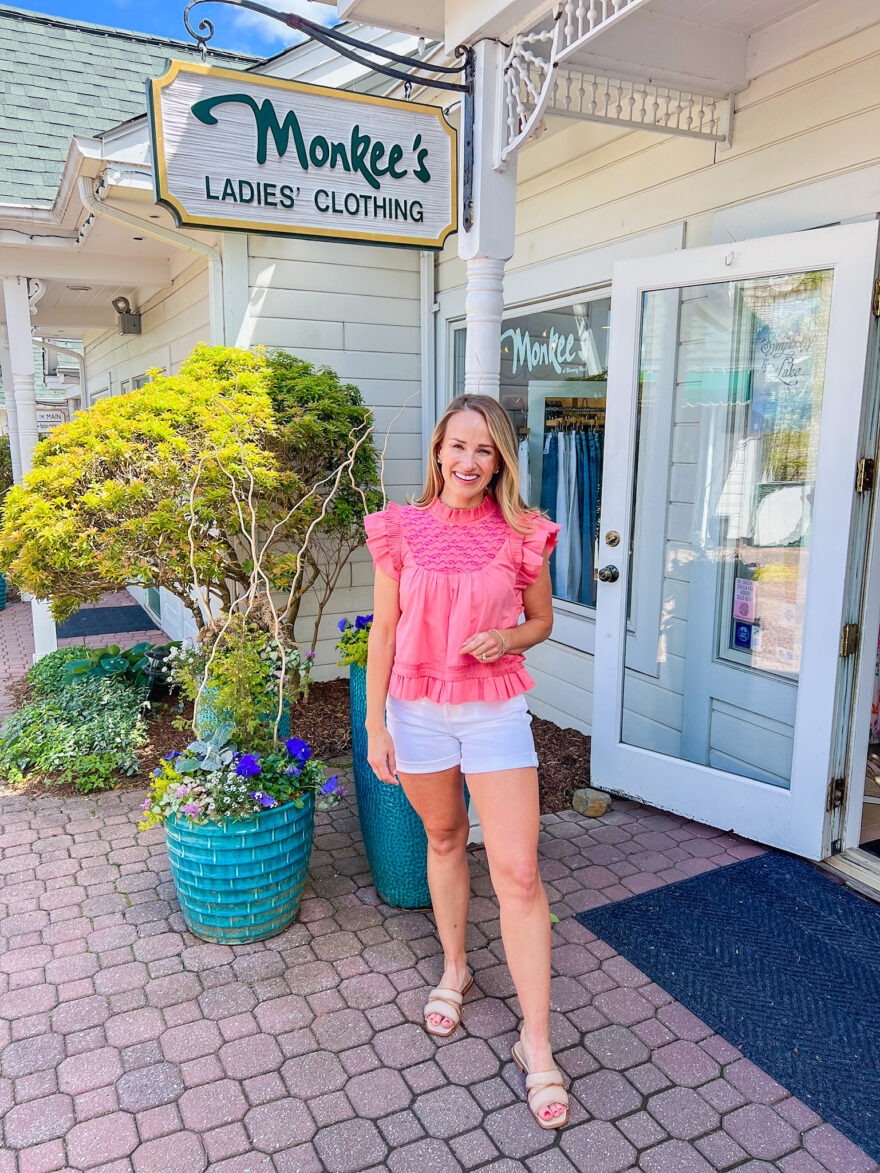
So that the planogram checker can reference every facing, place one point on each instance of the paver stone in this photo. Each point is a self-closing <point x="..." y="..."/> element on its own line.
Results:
<point x="279" y="1124"/>
<point x="348" y="1147"/>
<point x="180" y="1151"/>
<point x="103" y="1139"/>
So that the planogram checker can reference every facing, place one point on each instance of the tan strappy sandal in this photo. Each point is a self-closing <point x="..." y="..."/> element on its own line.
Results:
<point x="543" y="1088"/>
<point x="447" y="1003"/>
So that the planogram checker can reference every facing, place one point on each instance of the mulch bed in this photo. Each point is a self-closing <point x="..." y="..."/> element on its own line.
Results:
<point x="564" y="754"/>
<point x="323" y="721"/>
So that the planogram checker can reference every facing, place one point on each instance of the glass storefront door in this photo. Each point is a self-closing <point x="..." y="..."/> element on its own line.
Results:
<point x="732" y="435"/>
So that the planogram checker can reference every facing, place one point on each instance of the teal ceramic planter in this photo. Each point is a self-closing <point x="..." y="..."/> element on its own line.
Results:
<point x="2" y="592"/>
<point x="395" y="841"/>
<point x="241" y="881"/>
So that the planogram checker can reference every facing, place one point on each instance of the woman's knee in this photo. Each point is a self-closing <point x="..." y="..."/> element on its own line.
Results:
<point x="517" y="880"/>
<point x="444" y="841"/>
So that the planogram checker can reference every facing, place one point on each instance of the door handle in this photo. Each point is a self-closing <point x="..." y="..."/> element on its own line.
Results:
<point x="609" y="574"/>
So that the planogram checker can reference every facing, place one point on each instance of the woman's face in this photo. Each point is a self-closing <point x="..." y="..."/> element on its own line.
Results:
<point x="468" y="460"/>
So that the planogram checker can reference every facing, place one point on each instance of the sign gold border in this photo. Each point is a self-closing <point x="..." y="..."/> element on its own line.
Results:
<point x="166" y="200"/>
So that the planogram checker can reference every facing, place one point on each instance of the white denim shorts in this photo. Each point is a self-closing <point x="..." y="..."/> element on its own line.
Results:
<point x="480" y="736"/>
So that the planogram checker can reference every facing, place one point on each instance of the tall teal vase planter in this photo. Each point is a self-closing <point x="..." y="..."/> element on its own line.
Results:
<point x="397" y="848"/>
<point x="2" y="592"/>
<point x="241" y="881"/>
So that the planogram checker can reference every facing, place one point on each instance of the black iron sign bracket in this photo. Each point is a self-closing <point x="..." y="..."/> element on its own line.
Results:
<point x="409" y="70"/>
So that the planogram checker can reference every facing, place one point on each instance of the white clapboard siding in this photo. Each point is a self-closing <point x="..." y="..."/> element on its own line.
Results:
<point x="563" y="685"/>
<point x="173" y="321"/>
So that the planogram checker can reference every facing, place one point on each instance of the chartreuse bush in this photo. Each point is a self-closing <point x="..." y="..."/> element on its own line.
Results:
<point x="138" y="489"/>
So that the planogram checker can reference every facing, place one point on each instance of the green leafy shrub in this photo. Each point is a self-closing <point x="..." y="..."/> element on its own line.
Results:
<point x="239" y="677"/>
<point x="85" y="733"/>
<point x="138" y="488"/>
<point x="49" y="675"/>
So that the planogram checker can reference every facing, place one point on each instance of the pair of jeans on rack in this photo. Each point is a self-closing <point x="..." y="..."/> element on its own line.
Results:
<point x="549" y="474"/>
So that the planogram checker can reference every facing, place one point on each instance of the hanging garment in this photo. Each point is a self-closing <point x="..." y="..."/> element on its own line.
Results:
<point x="525" y="475"/>
<point x="549" y="470"/>
<point x="587" y="592"/>
<point x="563" y="549"/>
<point x="574" y="520"/>
<point x="548" y="476"/>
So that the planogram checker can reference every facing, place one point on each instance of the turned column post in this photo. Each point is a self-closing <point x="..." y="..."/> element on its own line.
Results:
<point x="20" y="369"/>
<point x="489" y="242"/>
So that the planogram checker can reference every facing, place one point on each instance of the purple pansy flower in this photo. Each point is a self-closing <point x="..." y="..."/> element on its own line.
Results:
<point x="293" y="770"/>
<point x="331" y="785"/>
<point x="248" y="765"/>
<point x="192" y="810"/>
<point x="182" y="791"/>
<point x="265" y="800"/>
<point x="342" y="624"/>
<point x="298" y="749"/>
<point x="169" y="757"/>
<point x="157" y="772"/>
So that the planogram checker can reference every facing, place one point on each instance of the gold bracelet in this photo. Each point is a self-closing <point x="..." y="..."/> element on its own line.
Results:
<point x="495" y="631"/>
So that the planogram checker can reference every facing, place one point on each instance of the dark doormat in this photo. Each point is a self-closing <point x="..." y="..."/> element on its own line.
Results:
<point x="106" y="621"/>
<point x="781" y="961"/>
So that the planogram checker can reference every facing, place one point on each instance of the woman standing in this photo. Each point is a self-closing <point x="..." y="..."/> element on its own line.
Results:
<point x="454" y="573"/>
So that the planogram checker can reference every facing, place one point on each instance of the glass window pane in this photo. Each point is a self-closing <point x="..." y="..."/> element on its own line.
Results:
<point x="734" y="373"/>
<point x="553" y="384"/>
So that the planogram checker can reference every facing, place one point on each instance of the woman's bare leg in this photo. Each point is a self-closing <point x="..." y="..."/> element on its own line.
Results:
<point x="507" y="803"/>
<point x="438" y="799"/>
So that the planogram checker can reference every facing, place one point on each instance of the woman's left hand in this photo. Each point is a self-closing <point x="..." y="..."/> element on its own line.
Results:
<point x="484" y="646"/>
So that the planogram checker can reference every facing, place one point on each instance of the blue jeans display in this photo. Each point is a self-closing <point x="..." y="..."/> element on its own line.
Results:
<point x="549" y="476"/>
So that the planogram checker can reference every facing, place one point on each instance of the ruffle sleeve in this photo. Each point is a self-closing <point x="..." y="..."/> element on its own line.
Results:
<point x="383" y="539"/>
<point x="542" y="540"/>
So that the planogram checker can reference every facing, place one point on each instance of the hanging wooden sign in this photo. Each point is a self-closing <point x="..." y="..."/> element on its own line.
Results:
<point x="241" y="151"/>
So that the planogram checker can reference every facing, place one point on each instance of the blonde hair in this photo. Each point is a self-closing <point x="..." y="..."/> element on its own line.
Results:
<point x="504" y="486"/>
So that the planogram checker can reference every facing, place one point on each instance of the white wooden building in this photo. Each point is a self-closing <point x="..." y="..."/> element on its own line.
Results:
<point x="670" y="282"/>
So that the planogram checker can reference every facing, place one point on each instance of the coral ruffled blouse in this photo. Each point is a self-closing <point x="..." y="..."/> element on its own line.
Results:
<point x="460" y="571"/>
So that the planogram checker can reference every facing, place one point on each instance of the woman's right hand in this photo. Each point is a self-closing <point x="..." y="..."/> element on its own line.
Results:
<point x="381" y="756"/>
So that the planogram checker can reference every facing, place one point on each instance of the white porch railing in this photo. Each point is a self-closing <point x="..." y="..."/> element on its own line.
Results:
<point x="534" y="84"/>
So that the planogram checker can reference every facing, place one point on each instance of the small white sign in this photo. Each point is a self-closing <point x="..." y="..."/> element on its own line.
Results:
<point x="50" y="417"/>
<point x="240" y="151"/>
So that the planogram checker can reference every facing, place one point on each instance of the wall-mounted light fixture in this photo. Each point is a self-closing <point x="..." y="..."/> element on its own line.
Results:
<point x="129" y="321"/>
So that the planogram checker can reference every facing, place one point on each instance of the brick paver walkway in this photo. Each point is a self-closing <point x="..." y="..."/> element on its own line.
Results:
<point x="129" y="1045"/>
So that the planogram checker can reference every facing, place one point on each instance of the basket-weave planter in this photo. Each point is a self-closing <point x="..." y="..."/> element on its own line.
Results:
<point x="241" y="881"/>
<point x="394" y="838"/>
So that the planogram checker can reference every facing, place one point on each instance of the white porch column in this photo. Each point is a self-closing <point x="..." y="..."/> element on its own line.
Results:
<point x="21" y="364"/>
<point x="489" y="243"/>
<point x="21" y="361"/>
<point x="9" y="396"/>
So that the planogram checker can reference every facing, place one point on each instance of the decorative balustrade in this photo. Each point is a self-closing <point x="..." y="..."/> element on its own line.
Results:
<point x="535" y="84"/>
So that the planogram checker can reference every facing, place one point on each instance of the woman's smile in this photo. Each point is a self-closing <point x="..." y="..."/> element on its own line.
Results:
<point x="468" y="460"/>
